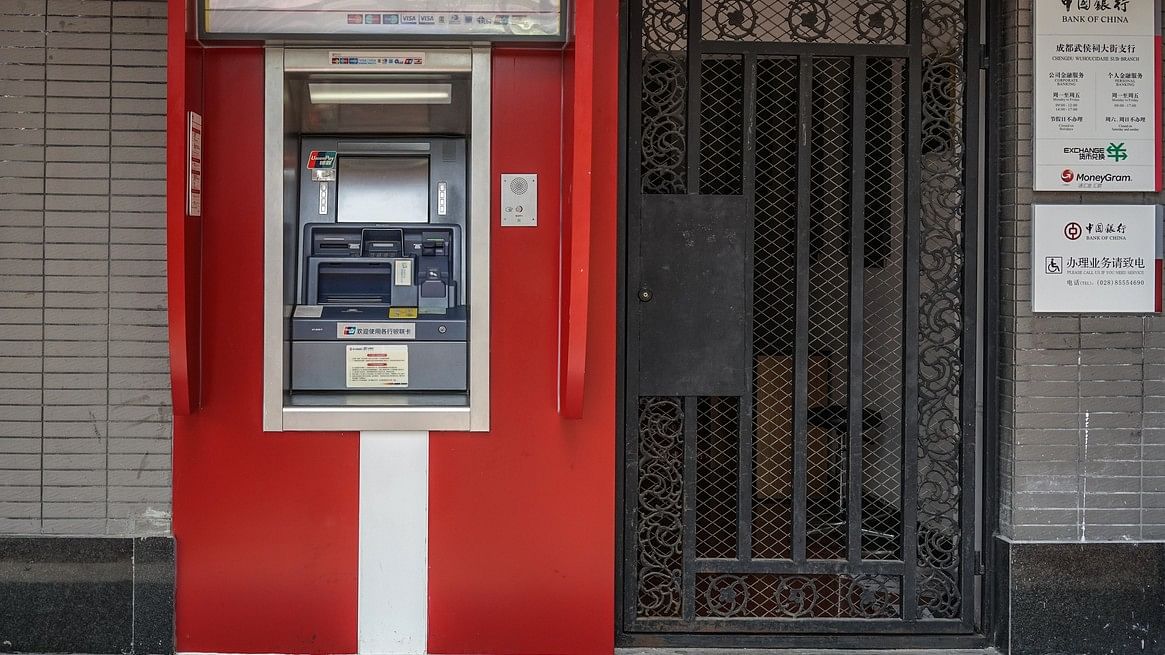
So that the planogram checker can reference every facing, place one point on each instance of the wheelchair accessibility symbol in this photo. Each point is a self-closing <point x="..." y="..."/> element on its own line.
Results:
<point x="1054" y="265"/>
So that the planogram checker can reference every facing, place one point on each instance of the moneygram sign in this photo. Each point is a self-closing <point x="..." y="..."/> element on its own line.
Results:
<point x="1097" y="117"/>
<point x="1089" y="180"/>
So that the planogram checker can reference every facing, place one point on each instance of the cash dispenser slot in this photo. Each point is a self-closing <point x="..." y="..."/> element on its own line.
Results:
<point x="383" y="243"/>
<point x="353" y="282"/>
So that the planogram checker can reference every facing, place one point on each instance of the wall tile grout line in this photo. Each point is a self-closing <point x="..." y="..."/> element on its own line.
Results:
<point x="109" y="270"/>
<point x="43" y="264"/>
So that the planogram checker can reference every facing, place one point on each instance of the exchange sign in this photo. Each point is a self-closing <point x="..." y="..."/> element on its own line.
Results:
<point x="1097" y="113"/>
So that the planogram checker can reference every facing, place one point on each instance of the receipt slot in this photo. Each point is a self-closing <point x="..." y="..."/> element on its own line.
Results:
<point x="376" y="240"/>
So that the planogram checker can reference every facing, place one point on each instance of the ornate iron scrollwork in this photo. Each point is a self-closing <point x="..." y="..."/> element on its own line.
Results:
<point x="732" y="20"/>
<point x="870" y="597"/>
<point x="809" y="20"/>
<point x="727" y="595"/>
<point x="940" y="356"/>
<point x="660" y="503"/>
<point x="877" y="21"/>
<point x="665" y="25"/>
<point x="797" y="595"/>
<point x="664" y="133"/>
<point x="805" y="21"/>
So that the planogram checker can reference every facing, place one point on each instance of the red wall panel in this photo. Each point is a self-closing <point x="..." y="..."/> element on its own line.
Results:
<point x="184" y="238"/>
<point x="266" y="524"/>
<point x="521" y="534"/>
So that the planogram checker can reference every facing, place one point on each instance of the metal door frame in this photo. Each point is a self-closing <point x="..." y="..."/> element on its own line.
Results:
<point x="982" y="283"/>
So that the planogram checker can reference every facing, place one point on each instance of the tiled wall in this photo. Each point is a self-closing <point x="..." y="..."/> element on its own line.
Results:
<point x="84" y="400"/>
<point x="1083" y="406"/>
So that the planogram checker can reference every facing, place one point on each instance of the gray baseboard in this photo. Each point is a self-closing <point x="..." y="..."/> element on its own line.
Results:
<point x="1082" y="598"/>
<point x="87" y="595"/>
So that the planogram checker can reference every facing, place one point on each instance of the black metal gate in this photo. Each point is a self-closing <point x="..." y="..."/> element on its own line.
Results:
<point x="800" y="267"/>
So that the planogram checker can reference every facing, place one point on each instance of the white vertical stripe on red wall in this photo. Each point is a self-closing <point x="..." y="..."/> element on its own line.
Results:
<point x="394" y="542"/>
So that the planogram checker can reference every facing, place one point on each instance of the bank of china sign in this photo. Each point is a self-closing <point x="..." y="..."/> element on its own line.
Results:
<point x="1097" y="95"/>
<point x="1096" y="259"/>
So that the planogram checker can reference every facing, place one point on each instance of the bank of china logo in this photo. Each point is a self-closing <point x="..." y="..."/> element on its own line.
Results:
<point x="349" y="330"/>
<point x="1067" y="176"/>
<point x="1117" y="152"/>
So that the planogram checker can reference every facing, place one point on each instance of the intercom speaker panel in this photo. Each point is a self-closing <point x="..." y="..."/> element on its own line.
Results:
<point x="519" y="200"/>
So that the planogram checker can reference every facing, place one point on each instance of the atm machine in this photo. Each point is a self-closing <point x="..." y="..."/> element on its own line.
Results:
<point x="381" y="274"/>
<point x="377" y="239"/>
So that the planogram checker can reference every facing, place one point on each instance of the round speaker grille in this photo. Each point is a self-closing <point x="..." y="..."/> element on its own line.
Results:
<point x="519" y="186"/>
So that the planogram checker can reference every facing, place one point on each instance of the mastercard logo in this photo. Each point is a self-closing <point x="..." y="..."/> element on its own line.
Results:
<point x="1067" y="176"/>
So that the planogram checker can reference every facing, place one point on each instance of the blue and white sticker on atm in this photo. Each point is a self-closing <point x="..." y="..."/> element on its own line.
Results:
<point x="321" y="159"/>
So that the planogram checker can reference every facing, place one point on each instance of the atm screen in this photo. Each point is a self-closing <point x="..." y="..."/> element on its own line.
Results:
<point x="382" y="189"/>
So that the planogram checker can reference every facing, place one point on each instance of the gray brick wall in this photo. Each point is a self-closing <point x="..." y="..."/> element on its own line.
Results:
<point x="84" y="400"/>
<point x="1083" y="397"/>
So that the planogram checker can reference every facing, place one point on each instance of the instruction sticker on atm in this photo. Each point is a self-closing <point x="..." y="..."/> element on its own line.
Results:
<point x="379" y="367"/>
<point x="321" y="159"/>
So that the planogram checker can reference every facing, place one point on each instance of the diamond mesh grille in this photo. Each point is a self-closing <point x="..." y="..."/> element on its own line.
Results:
<point x="774" y="306"/>
<point x="829" y="284"/>
<point x="717" y="465"/>
<point x="721" y="125"/>
<point x="885" y="174"/>
<point x="805" y="21"/>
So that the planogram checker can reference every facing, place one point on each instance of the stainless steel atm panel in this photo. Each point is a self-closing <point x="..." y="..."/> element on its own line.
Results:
<point x="381" y="242"/>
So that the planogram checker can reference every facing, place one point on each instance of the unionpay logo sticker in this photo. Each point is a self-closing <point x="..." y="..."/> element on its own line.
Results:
<point x="321" y="159"/>
<point x="384" y="330"/>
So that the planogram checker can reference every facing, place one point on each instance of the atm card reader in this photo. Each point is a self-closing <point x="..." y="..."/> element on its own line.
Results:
<point x="403" y="266"/>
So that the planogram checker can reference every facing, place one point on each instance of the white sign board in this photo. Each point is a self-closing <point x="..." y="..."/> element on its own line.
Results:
<point x="194" y="165"/>
<point x="1096" y="259"/>
<point x="1097" y="116"/>
<point x="377" y="367"/>
<point x="507" y="20"/>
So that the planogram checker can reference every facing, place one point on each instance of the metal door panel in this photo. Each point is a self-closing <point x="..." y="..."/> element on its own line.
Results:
<point x="692" y="295"/>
